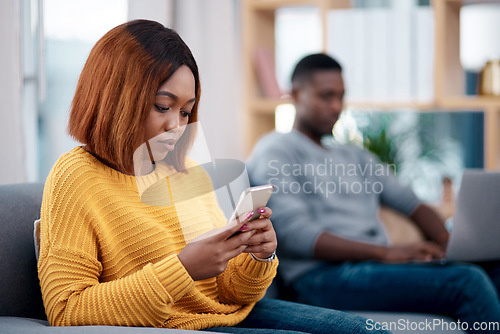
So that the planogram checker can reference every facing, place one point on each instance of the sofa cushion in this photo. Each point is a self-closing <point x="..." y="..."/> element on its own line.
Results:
<point x="20" y="294"/>
<point x="16" y="325"/>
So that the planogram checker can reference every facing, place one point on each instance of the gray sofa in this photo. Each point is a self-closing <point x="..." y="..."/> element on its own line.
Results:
<point x="21" y="306"/>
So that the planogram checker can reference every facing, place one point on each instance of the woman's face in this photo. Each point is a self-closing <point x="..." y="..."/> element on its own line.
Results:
<point x="170" y="113"/>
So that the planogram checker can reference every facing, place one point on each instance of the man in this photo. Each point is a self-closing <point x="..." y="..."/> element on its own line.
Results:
<point x="333" y="249"/>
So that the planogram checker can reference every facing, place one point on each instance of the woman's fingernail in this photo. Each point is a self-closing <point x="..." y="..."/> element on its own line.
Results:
<point x="262" y="210"/>
<point x="249" y="215"/>
<point x="244" y="227"/>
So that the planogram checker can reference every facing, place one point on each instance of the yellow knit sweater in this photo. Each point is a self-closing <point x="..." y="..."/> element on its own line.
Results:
<point x="109" y="258"/>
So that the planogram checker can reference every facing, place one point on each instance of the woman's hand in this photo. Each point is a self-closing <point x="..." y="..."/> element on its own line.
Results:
<point x="263" y="242"/>
<point x="209" y="257"/>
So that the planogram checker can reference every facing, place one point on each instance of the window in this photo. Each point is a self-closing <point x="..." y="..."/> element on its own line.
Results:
<point x="70" y="29"/>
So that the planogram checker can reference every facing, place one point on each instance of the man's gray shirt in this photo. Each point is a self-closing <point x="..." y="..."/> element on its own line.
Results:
<point x="338" y="189"/>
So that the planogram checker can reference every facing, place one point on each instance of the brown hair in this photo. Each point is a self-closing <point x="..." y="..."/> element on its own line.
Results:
<point x="117" y="88"/>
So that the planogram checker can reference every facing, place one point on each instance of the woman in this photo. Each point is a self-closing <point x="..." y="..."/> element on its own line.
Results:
<point x="109" y="257"/>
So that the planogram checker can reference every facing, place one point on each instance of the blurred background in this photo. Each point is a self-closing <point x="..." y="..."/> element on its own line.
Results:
<point x="412" y="70"/>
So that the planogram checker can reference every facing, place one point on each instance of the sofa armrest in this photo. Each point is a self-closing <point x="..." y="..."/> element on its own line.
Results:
<point x="400" y="229"/>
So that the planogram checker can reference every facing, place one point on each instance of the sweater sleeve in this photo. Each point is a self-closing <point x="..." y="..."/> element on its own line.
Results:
<point x="245" y="280"/>
<point x="69" y="269"/>
<point x="73" y="295"/>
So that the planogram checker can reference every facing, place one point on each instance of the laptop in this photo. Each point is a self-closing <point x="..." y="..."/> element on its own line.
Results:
<point x="475" y="235"/>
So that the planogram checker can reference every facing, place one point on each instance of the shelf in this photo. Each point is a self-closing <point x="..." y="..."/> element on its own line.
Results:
<point x="267" y="106"/>
<point x="472" y="2"/>
<point x="390" y="105"/>
<point x="459" y="103"/>
<point x="276" y="4"/>
<point x="259" y="30"/>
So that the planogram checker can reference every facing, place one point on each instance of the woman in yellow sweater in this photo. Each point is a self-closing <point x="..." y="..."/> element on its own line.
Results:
<point x="107" y="256"/>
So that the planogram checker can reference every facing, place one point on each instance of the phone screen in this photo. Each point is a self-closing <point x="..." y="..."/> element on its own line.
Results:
<point x="251" y="199"/>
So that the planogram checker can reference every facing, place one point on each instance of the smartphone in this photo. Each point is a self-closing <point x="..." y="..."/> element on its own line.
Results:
<point x="252" y="199"/>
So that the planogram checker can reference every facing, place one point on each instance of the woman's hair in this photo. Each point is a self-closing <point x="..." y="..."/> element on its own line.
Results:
<point x="117" y="89"/>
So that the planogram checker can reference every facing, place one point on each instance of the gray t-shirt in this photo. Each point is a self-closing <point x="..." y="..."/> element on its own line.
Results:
<point x="338" y="189"/>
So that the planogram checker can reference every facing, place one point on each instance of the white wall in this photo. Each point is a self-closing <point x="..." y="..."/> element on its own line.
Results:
<point x="212" y="33"/>
<point x="12" y="168"/>
<point x="156" y="10"/>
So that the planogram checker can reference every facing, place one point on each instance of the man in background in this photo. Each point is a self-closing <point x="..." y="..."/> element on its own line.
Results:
<point x="333" y="249"/>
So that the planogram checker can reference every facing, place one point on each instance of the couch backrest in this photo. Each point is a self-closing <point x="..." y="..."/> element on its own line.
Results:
<point x="20" y="294"/>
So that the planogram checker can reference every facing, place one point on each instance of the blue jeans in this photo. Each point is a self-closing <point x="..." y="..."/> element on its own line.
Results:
<point x="463" y="291"/>
<point x="282" y="317"/>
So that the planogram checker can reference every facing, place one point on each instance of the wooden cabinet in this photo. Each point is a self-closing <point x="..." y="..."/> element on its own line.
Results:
<point x="258" y="31"/>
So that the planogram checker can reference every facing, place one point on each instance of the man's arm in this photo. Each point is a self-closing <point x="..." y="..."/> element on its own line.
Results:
<point x="430" y="224"/>
<point x="334" y="248"/>
<point x="402" y="199"/>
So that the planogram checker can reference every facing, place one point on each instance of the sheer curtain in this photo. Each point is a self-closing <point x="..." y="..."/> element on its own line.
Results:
<point x="12" y="168"/>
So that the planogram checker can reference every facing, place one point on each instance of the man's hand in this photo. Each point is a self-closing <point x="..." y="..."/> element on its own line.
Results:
<point x="422" y="251"/>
